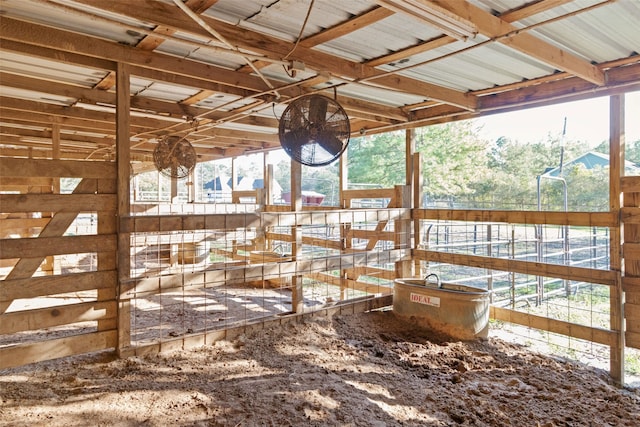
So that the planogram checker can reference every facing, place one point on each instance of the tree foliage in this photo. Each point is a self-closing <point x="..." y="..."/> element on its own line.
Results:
<point x="460" y="170"/>
<point x="377" y="159"/>
<point x="452" y="157"/>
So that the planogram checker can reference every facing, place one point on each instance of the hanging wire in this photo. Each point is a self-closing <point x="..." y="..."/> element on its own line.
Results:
<point x="219" y="36"/>
<point x="298" y="39"/>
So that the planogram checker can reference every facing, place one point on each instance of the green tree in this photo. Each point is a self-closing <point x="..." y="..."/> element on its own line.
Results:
<point x="514" y="168"/>
<point x="453" y="160"/>
<point x="377" y="159"/>
<point x="588" y="189"/>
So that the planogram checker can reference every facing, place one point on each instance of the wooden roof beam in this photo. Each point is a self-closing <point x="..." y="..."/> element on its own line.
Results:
<point x="353" y="24"/>
<point x="496" y="28"/>
<point x="276" y="49"/>
<point x="197" y="75"/>
<point x="526" y="11"/>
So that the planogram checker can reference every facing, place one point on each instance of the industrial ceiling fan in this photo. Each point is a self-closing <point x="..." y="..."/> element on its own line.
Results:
<point x="314" y="130"/>
<point x="174" y="157"/>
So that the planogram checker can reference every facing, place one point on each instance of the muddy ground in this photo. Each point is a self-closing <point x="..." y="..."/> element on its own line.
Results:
<point x="364" y="369"/>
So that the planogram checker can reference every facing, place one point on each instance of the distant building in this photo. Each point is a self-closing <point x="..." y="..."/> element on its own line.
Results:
<point x="591" y="160"/>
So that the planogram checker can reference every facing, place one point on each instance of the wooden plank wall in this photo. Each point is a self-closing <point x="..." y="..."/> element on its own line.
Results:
<point x="630" y="217"/>
<point x="64" y="312"/>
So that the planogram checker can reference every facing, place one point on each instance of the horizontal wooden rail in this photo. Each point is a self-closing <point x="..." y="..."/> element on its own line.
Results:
<point x="630" y="215"/>
<point x="591" y="219"/>
<point x="279" y="236"/>
<point x="21" y="225"/>
<point x="22" y="354"/>
<point x="34" y="319"/>
<point x="322" y="243"/>
<point x="25" y="181"/>
<point x="10" y="203"/>
<point x="357" y="285"/>
<point x="166" y="223"/>
<point x="597" y="335"/>
<point x="630" y="184"/>
<point x="604" y="277"/>
<point x="371" y="234"/>
<point x="159" y="223"/>
<point x="240" y="274"/>
<point x="307" y="240"/>
<point x="287" y="208"/>
<point x="16" y="167"/>
<point x="31" y="287"/>
<point x="45" y="246"/>
<point x="369" y="193"/>
<point x="632" y="339"/>
<point x="236" y="195"/>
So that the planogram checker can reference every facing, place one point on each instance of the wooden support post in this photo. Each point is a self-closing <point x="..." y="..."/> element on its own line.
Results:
<point x="417" y="204"/>
<point x="344" y="179"/>
<point x="124" y="204"/>
<point x="174" y="188"/>
<point x="402" y="228"/>
<point x="52" y="265"/>
<point x="107" y="260"/>
<point x="159" y="175"/>
<point x="234" y="174"/>
<point x="268" y="185"/>
<point x="55" y="141"/>
<point x="266" y="198"/>
<point x="192" y="186"/>
<point x="410" y="149"/>
<point x="410" y="139"/>
<point x="616" y="171"/>
<point x="344" y="228"/>
<point x="297" y="297"/>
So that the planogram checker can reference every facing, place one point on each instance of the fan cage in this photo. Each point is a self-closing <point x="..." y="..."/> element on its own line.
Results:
<point x="314" y="130"/>
<point x="174" y="157"/>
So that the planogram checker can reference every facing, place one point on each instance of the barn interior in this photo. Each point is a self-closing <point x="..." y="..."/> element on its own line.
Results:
<point x="95" y="93"/>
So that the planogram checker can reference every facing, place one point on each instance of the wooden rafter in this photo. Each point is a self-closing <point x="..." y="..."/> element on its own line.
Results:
<point x="276" y="49"/>
<point x="504" y="32"/>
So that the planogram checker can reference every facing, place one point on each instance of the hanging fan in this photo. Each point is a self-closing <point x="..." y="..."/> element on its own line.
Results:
<point x="174" y="157"/>
<point x="314" y="130"/>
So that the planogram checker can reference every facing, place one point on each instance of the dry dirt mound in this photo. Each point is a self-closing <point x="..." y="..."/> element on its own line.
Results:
<point x="358" y="370"/>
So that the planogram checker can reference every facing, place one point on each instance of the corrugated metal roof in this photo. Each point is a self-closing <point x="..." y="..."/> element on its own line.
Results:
<point x="598" y="36"/>
<point x="593" y="31"/>
<point x="33" y="66"/>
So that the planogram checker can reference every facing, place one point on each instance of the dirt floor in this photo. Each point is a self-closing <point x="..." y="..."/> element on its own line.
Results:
<point x="352" y="370"/>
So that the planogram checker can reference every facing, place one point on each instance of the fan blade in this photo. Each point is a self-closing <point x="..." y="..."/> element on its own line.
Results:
<point x="296" y="115"/>
<point x="329" y="142"/>
<point x="294" y="141"/>
<point x="318" y="109"/>
<point x="296" y="137"/>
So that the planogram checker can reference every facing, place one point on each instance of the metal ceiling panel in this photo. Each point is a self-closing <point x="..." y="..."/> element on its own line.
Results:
<point x="45" y="69"/>
<point x="593" y="31"/>
<point x="75" y="17"/>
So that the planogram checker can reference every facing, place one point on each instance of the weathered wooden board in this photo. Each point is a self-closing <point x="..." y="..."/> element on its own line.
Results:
<point x="57" y="202"/>
<point x="58" y="284"/>
<point x="41" y="247"/>
<point x="14" y="167"/>
<point x="594" y="219"/>
<point x="23" y="354"/>
<point x="597" y="335"/>
<point x="35" y="319"/>
<point x="604" y="277"/>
